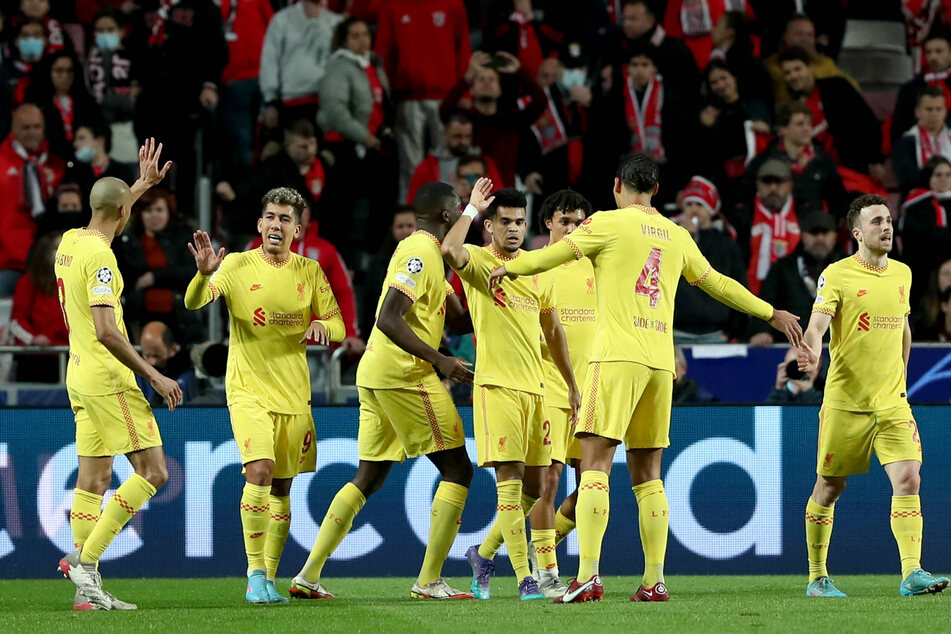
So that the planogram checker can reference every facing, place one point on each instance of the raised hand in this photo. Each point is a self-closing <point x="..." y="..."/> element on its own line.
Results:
<point x="206" y="259"/>
<point x="149" y="171"/>
<point x="788" y="324"/>
<point x="480" y="198"/>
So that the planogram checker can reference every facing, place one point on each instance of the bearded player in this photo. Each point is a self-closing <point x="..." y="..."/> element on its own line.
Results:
<point x="271" y="293"/>
<point x="638" y="257"/>
<point x="864" y="406"/>
<point x="112" y="416"/>
<point x="404" y="409"/>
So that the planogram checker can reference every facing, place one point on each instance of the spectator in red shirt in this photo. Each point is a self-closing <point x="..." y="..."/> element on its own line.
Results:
<point x="28" y="177"/>
<point x="425" y="48"/>
<point x="37" y="319"/>
<point x="245" y="23"/>
<point x="311" y="245"/>
<point x="692" y="21"/>
<point x="497" y="119"/>
<point x="513" y="26"/>
<point x="456" y="145"/>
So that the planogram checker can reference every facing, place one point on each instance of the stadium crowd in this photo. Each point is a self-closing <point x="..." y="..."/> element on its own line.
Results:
<point x="762" y="138"/>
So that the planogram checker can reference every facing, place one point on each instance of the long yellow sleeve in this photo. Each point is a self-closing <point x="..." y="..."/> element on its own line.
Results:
<point x="541" y="259"/>
<point x="730" y="292"/>
<point x="200" y="291"/>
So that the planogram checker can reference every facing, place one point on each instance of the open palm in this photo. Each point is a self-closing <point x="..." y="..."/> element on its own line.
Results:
<point x="206" y="259"/>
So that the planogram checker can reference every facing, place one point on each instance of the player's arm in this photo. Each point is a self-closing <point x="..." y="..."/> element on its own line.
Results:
<point x="200" y="291"/>
<point x="149" y="173"/>
<point x="906" y="345"/>
<point x="453" y="247"/>
<point x="109" y="335"/>
<point x="392" y="324"/>
<point x="811" y="348"/>
<point x="329" y="324"/>
<point x="558" y="347"/>
<point x="458" y="319"/>
<point x="589" y="241"/>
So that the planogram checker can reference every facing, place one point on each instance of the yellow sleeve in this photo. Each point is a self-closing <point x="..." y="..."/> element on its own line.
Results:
<point x="544" y="259"/>
<point x="324" y="305"/>
<point x="208" y="288"/>
<point x="475" y="269"/>
<point x="728" y="291"/>
<point x="828" y="293"/>
<point x="695" y="263"/>
<point x="413" y="276"/>
<point x="102" y="280"/>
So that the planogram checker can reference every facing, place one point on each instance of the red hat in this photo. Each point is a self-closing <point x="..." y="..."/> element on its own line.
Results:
<point x="700" y="190"/>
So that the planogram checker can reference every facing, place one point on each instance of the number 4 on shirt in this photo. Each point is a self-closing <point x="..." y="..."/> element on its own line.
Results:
<point x="648" y="283"/>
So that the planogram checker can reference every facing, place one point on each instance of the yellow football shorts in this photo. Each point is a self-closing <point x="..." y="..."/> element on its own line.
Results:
<point x="627" y="401"/>
<point x="510" y="426"/>
<point x="847" y="439"/>
<point x="289" y="440"/>
<point x="406" y="422"/>
<point x="564" y="446"/>
<point x="113" y="424"/>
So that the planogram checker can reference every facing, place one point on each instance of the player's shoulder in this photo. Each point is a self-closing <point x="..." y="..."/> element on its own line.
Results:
<point x="899" y="268"/>
<point x="841" y="266"/>
<point x="420" y="245"/>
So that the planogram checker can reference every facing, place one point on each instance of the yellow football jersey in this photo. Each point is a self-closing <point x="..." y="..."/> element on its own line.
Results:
<point x="577" y="310"/>
<point x="416" y="270"/>
<point x="270" y="305"/>
<point x="868" y="307"/>
<point x="506" y="321"/>
<point x="87" y="275"/>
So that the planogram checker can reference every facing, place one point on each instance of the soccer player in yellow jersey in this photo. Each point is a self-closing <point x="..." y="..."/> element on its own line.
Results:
<point x="509" y="417"/>
<point x="638" y="257"/>
<point x="404" y="409"/>
<point x="561" y="213"/>
<point x="864" y="298"/>
<point x="112" y="416"/>
<point x="271" y="294"/>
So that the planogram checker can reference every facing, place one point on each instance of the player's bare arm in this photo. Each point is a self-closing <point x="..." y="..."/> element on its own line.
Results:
<point x="558" y="347"/>
<point x="149" y="173"/>
<point x="458" y="319"/>
<point x="392" y="324"/>
<point x="788" y="324"/>
<point x="906" y="345"/>
<point x="109" y="335"/>
<point x="811" y="348"/>
<point x="453" y="246"/>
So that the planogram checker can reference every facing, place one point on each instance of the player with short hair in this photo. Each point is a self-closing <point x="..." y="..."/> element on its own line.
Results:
<point x="509" y="417"/>
<point x="865" y="299"/>
<point x="638" y="257"/>
<point x="561" y="213"/>
<point x="112" y="416"/>
<point x="404" y="409"/>
<point x="272" y="293"/>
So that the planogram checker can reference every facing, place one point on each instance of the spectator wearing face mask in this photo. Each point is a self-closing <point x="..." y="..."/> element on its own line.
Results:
<point x="91" y="144"/>
<point x="26" y="50"/>
<point x="111" y="74"/>
<point x="39" y="10"/>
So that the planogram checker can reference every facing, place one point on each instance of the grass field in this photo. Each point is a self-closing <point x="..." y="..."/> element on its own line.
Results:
<point x="382" y="605"/>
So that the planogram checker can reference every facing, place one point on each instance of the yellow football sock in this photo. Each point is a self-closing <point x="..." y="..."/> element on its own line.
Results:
<point x="445" y="518"/>
<point x="255" y="518"/>
<point x="126" y="502"/>
<point x="653" y="516"/>
<point x="84" y="515"/>
<point x="907" y="525"/>
<point x="493" y="541"/>
<point x="277" y="529"/>
<point x="511" y="522"/>
<point x="818" y="535"/>
<point x="544" y="540"/>
<point x="563" y="527"/>
<point x="337" y="523"/>
<point x="591" y="514"/>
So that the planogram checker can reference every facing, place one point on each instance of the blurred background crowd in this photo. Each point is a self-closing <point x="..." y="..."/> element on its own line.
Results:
<point x="767" y="117"/>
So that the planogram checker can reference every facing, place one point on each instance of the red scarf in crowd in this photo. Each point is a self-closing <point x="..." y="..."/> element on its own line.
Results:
<point x="37" y="178"/>
<point x="549" y="129"/>
<point x="919" y="195"/>
<point x="919" y="20"/>
<point x="820" y="125"/>
<point x="927" y="146"/>
<point x="644" y="119"/>
<point x="65" y="107"/>
<point x="802" y="161"/>
<point x="940" y="80"/>
<point x="774" y="234"/>
<point x="157" y="38"/>
<point x="315" y="179"/>
<point x="529" y="49"/>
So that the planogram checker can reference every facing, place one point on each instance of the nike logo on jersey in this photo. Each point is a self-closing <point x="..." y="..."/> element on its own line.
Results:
<point x="255" y="287"/>
<point x="571" y="596"/>
<point x="861" y="292"/>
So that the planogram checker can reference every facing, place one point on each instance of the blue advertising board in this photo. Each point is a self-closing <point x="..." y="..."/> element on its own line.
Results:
<point x="737" y="479"/>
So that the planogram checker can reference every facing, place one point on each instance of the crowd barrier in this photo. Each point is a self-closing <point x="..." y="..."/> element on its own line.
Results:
<point x="737" y="479"/>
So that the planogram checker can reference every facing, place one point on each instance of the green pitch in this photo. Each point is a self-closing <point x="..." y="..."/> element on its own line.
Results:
<point x="381" y="606"/>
